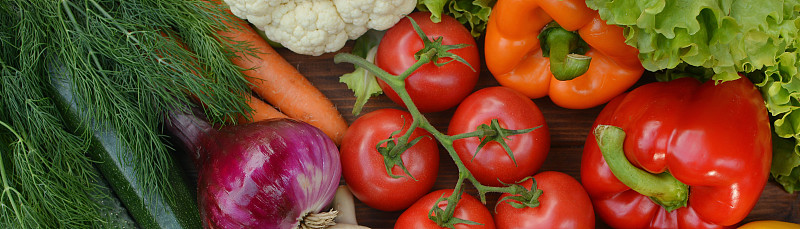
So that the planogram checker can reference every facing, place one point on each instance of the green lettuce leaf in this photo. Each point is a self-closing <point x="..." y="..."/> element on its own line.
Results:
<point x="436" y="7"/>
<point x="362" y="82"/>
<point x="753" y="37"/>
<point x="472" y="13"/>
<point x="727" y="36"/>
<point x="785" y="157"/>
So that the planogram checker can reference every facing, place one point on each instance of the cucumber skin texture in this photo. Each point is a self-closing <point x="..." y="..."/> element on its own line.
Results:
<point x="117" y="216"/>
<point x="158" y="211"/>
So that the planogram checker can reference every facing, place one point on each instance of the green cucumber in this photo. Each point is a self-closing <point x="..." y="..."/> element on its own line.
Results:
<point x="116" y="215"/>
<point x="148" y="210"/>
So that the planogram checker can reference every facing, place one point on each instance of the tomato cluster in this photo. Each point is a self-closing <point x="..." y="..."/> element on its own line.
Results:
<point x="498" y="157"/>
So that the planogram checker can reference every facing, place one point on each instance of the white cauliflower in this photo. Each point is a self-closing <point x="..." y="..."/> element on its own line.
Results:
<point x="314" y="27"/>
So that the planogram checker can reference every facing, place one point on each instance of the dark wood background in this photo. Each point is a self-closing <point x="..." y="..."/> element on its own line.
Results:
<point x="568" y="129"/>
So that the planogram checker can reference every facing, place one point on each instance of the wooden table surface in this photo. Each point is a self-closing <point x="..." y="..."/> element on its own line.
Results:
<point x="568" y="129"/>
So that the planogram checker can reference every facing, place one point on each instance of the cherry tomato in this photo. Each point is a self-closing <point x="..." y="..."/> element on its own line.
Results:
<point x="563" y="204"/>
<point x="513" y="111"/>
<point x="432" y="88"/>
<point x="468" y="208"/>
<point x="363" y="166"/>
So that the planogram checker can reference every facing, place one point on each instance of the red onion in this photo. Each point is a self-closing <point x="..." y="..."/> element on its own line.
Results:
<point x="269" y="174"/>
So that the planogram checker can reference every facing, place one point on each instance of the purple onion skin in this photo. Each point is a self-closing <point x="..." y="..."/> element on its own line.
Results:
<point x="266" y="174"/>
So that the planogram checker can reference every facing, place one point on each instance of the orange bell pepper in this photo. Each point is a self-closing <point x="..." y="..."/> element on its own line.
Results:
<point x="514" y="54"/>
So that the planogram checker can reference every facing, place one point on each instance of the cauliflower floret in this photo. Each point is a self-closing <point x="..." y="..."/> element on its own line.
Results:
<point x="314" y="27"/>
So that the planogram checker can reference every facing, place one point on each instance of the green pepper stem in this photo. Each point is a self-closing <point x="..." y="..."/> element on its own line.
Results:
<point x="564" y="64"/>
<point x="662" y="188"/>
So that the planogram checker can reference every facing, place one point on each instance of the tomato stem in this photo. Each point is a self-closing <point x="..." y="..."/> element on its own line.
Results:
<point x="423" y="59"/>
<point x="441" y="50"/>
<point x="524" y="197"/>
<point x="662" y="188"/>
<point x="360" y="62"/>
<point x="494" y="133"/>
<point x="393" y="151"/>
<point x="445" y="218"/>
<point x="565" y="49"/>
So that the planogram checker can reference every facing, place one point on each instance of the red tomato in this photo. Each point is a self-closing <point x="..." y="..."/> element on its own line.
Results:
<point x="513" y="111"/>
<point x="563" y="204"/>
<point x="363" y="167"/>
<point x="431" y="88"/>
<point x="468" y="208"/>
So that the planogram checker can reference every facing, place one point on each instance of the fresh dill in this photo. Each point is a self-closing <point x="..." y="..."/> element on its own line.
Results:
<point x="129" y="62"/>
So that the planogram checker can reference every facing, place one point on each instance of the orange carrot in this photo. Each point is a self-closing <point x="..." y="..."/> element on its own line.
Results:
<point x="280" y="84"/>
<point x="261" y="110"/>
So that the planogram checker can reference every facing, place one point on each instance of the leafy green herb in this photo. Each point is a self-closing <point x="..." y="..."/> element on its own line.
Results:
<point x="753" y="37"/>
<point x="127" y="69"/>
<point x="46" y="176"/>
<point x="473" y="13"/>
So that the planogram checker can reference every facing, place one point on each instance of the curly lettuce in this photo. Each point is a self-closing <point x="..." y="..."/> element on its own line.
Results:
<point x="753" y="37"/>
<point x="472" y="13"/>
<point x="362" y="82"/>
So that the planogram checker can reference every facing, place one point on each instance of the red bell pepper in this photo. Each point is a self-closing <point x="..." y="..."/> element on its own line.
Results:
<point x="695" y="156"/>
